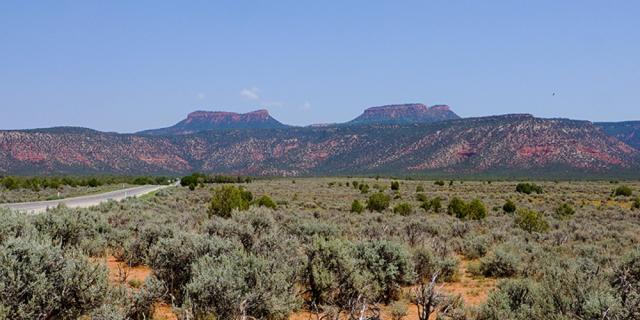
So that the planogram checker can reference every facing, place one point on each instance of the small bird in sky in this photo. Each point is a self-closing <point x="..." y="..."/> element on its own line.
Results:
<point x="554" y="94"/>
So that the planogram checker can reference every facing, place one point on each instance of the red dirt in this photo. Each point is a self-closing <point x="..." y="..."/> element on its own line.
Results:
<point x="162" y="311"/>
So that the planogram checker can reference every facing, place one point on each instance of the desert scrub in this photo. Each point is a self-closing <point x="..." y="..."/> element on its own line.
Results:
<point x="399" y="310"/>
<point x="387" y="265"/>
<point x="565" y="210"/>
<point x="499" y="263"/>
<point x="356" y="207"/>
<point x="403" y="208"/>
<point x="474" y="210"/>
<point x="509" y="206"/>
<point x="265" y="201"/>
<point x="528" y="188"/>
<point x="238" y="283"/>
<point x="38" y="277"/>
<point x="622" y="191"/>
<point x="378" y="202"/>
<point x="228" y="198"/>
<point x="531" y="221"/>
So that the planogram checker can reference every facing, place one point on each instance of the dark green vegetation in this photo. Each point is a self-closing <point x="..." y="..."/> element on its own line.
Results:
<point x="224" y="251"/>
<point x="200" y="179"/>
<point x="39" y="183"/>
<point x="528" y="188"/>
<point x="24" y="189"/>
<point x="623" y="191"/>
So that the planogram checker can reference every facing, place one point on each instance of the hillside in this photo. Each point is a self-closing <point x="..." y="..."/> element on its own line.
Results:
<point x="626" y="131"/>
<point x="515" y="145"/>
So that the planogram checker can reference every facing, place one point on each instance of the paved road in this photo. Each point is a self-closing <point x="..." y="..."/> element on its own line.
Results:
<point x="81" y="202"/>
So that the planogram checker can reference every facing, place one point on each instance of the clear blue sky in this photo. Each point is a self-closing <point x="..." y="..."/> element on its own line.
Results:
<point x="131" y="65"/>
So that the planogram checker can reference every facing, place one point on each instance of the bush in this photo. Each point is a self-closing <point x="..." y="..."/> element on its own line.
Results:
<point x="420" y="188"/>
<point x="476" y="210"/>
<point x="426" y="264"/>
<point x="421" y="197"/>
<point x="331" y="274"/>
<point x="388" y="265"/>
<point x="528" y="188"/>
<point x="509" y="206"/>
<point x="395" y="185"/>
<point x="439" y="183"/>
<point x="636" y="203"/>
<point x="171" y="258"/>
<point x="475" y="247"/>
<point x="436" y="204"/>
<point x="364" y="188"/>
<point x="403" y="208"/>
<point x="398" y="310"/>
<point x="378" y="202"/>
<point x="356" y="206"/>
<point x="457" y="207"/>
<point x="39" y="278"/>
<point x="265" y="201"/>
<point x="531" y="221"/>
<point x="238" y="284"/>
<point x="565" y="210"/>
<point x="227" y="198"/>
<point x="623" y="191"/>
<point x="499" y="263"/>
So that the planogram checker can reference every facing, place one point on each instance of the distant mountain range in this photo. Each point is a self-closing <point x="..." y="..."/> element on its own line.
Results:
<point x="406" y="139"/>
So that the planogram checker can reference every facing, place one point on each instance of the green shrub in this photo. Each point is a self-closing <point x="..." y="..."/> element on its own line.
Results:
<point x="436" y="204"/>
<point x="364" y="188"/>
<point x="509" y="206"/>
<point x="528" y="188"/>
<point x="420" y="188"/>
<point x="227" y="198"/>
<point x="395" y="185"/>
<point x="439" y="183"/>
<point x="403" y="208"/>
<point x="531" y="221"/>
<point x="378" y="202"/>
<point x="636" y="203"/>
<point x="265" y="201"/>
<point x="39" y="278"/>
<point x="357" y="207"/>
<point x="565" y="210"/>
<point x="623" y="191"/>
<point x="421" y="197"/>
<point x="476" y="210"/>
<point x="457" y="207"/>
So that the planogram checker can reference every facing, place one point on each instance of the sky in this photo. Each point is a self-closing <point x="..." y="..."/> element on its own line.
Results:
<point x="130" y="65"/>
